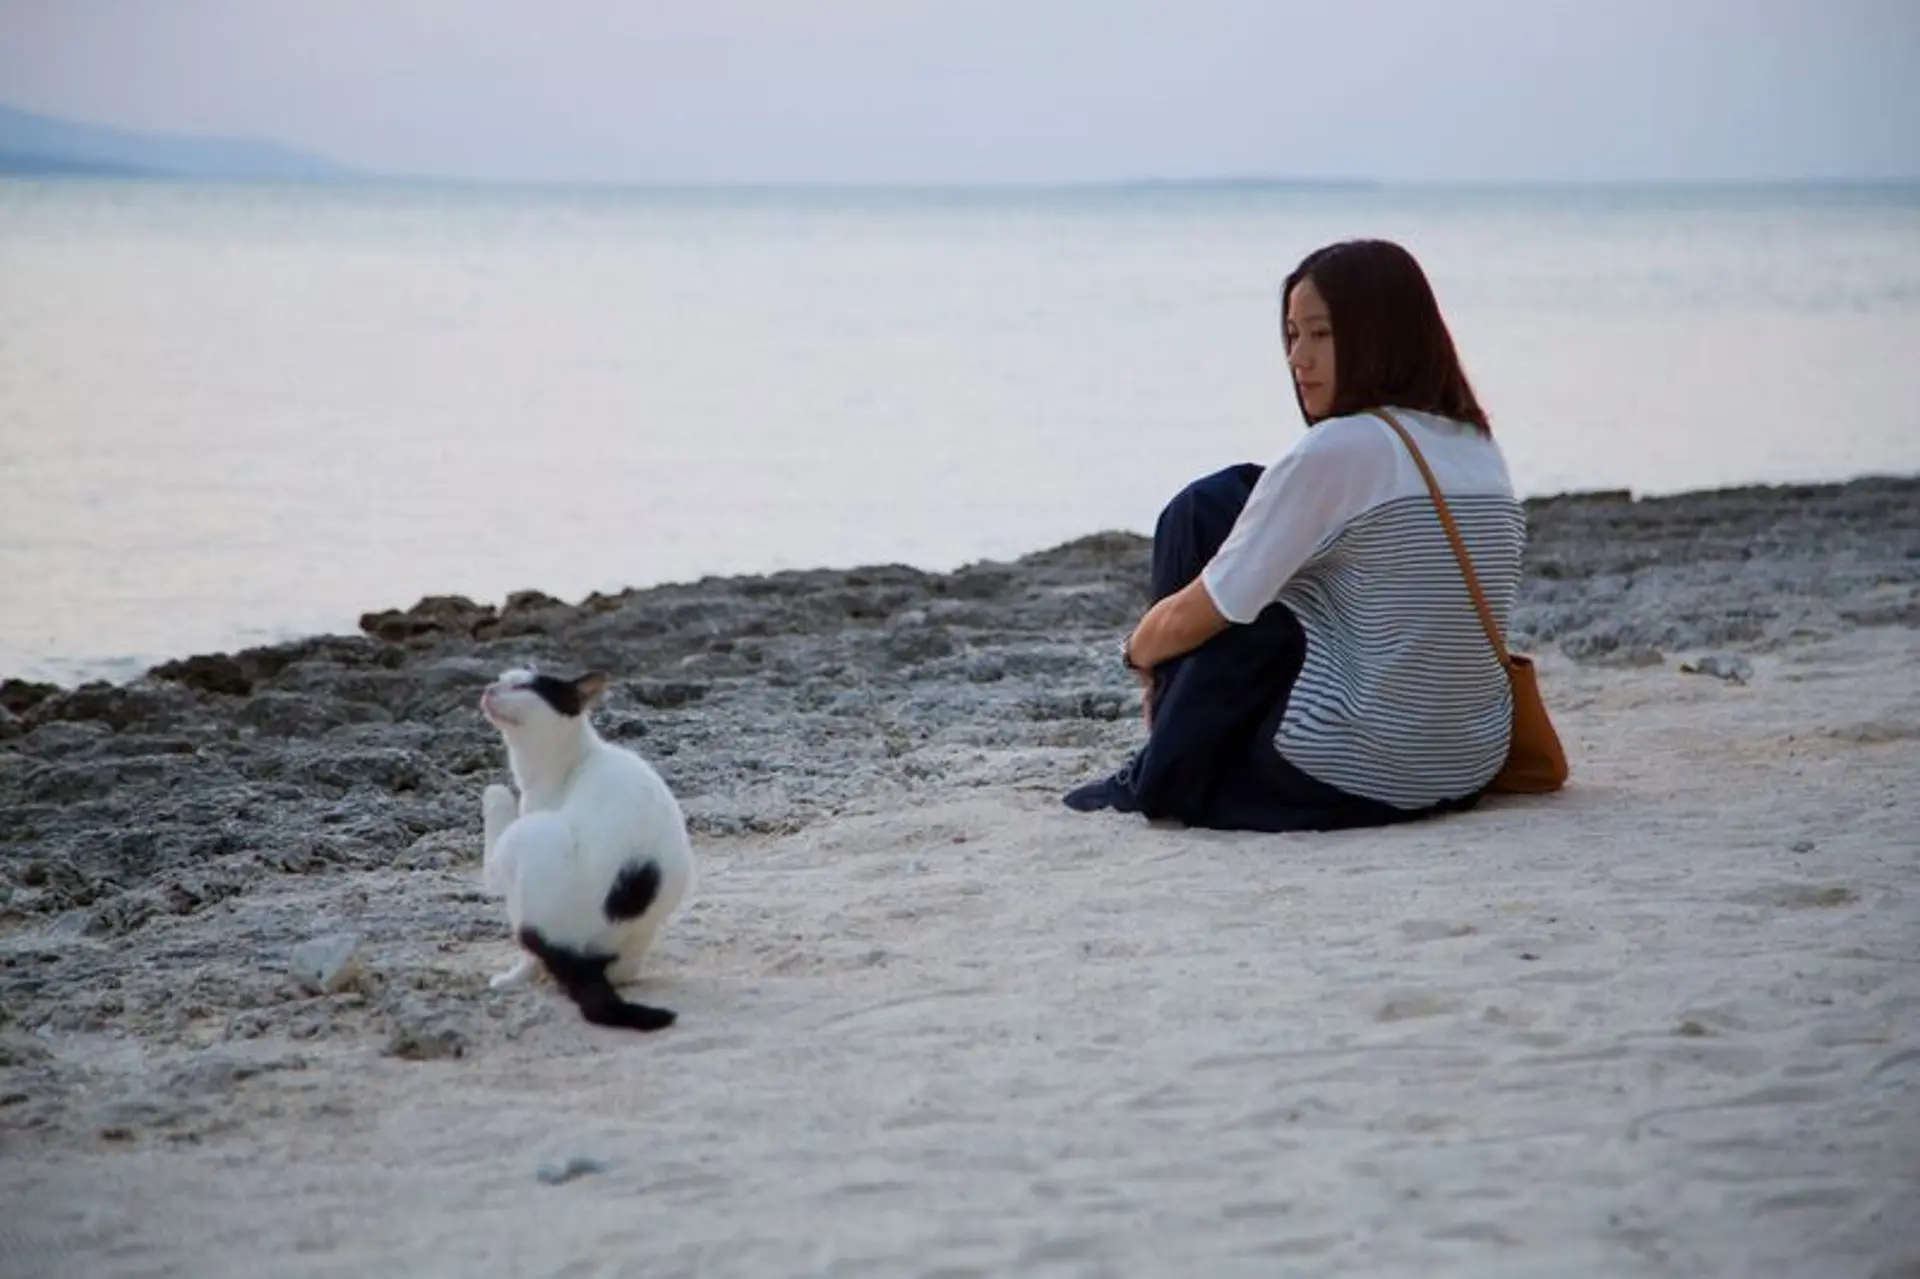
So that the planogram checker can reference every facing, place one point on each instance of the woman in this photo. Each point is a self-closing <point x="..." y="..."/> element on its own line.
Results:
<point x="1313" y="660"/>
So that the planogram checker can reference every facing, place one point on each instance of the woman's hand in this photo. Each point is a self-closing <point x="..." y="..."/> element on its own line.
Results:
<point x="1147" y="696"/>
<point x="1174" y="627"/>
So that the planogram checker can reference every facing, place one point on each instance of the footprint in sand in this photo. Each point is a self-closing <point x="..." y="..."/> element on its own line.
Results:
<point x="1407" y="1007"/>
<point x="1653" y="1121"/>
<point x="1302" y="1246"/>
<point x="1474" y="1232"/>
<point x="1907" y="1057"/>
<point x="1799" y="896"/>
<point x="1877" y="732"/>
<point x="1812" y="1197"/>
<point x="1423" y="930"/>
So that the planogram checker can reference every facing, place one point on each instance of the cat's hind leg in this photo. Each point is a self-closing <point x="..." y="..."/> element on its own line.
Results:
<point x="633" y="948"/>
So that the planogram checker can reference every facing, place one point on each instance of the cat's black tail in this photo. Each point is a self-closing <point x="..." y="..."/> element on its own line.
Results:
<point x="584" y="978"/>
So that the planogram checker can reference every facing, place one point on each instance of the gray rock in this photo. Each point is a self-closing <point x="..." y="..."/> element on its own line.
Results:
<point x="18" y="695"/>
<point x="1735" y="670"/>
<point x="219" y="1072"/>
<point x="453" y="674"/>
<point x="560" y="1173"/>
<point x="210" y="673"/>
<point x="389" y="769"/>
<point x="328" y="965"/>
<point x="1633" y="657"/>
<point x="986" y="670"/>
<point x="133" y="744"/>
<point x="66" y="783"/>
<point x="151" y="704"/>
<point x="668" y="694"/>
<point x="434" y="616"/>
<point x="422" y="1033"/>
<point x="850" y="702"/>
<point x="10" y="725"/>
<point x="290" y="714"/>
<point x="1102" y="704"/>
<point x="1618" y="645"/>
<point x="122" y="1120"/>
<point x="60" y="737"/>
<point x="19" y="1049"/>
<point x="913" y="641"/>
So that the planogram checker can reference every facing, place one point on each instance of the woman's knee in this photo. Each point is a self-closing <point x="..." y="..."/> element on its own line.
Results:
<point x="1219" y="495"/>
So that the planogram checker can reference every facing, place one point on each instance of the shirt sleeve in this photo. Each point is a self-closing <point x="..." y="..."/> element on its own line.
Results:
<point x="1339" y="471"/>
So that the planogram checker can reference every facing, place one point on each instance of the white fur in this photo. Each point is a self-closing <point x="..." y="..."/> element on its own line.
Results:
<point x="587" y="809"/>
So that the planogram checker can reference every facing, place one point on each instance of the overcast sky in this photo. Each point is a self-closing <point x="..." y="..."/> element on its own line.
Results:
<point x="1002" y="90"/>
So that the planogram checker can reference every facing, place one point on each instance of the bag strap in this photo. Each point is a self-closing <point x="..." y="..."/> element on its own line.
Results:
<point x="1453" y="535"/>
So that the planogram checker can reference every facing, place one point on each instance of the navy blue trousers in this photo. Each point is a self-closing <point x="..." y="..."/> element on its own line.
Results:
<point x="1210" y="759"/>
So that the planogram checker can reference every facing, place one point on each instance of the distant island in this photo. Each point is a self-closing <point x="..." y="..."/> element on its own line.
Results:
<point x="41" y="145"/>
<point x="38" y="145"/>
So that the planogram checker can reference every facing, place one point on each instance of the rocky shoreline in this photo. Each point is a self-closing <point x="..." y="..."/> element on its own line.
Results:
<point x="167" y="845"/>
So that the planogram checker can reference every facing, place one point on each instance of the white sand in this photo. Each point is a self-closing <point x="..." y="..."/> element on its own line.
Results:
<point x="1667" y="1024"/>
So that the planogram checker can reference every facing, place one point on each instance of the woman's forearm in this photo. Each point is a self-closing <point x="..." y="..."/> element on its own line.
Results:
<point x="1175" y="626"/>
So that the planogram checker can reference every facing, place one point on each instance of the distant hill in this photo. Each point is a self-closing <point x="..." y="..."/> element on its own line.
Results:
<point x="40" y="144"/>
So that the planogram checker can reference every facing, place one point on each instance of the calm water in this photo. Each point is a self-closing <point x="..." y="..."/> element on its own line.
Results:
<point x="229" y="415"/>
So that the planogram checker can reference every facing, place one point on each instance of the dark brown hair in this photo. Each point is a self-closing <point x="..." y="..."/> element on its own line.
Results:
<point x="1390" y="345"/>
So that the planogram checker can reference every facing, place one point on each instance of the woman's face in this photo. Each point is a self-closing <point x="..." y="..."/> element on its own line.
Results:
<point x="1309" y="330"/>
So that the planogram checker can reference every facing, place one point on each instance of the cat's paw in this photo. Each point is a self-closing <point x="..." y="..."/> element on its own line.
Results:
<point x="514" y="976"/>
<point x="498" y="805"/>
<point x="498" y="810"/>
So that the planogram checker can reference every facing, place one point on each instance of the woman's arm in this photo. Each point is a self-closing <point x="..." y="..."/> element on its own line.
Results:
<point x="1336" y="472"/>
<point x="1177" y="625"/>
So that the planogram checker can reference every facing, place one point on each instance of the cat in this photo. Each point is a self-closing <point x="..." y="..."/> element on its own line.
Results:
<point x="592" y="857"/>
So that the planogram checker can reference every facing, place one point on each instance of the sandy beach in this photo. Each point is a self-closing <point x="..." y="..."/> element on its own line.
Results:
<point x="932" y="1023"/>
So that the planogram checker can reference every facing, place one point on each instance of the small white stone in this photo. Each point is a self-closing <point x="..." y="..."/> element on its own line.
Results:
<point x="1733" y="669"/>
<point x="327" y="965"/>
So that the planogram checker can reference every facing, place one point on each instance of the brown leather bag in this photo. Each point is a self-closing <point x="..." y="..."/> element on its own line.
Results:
<point x="1535" y="763"/>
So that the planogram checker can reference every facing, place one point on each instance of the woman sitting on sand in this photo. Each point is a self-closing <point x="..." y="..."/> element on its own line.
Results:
<point x="1313" y="660"/>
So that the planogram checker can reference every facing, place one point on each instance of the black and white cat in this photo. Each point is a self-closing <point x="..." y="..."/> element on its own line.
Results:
<point x="593" y="856"/>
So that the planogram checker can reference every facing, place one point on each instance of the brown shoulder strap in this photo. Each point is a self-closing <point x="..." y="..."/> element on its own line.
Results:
<point x="1453" y="535"/>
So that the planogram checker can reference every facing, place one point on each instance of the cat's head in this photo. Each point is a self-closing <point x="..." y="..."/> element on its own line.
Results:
<point x="530" y="708"/>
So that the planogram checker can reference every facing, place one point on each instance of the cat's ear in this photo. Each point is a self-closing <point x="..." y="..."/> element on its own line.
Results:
<point x="590" y="686"/>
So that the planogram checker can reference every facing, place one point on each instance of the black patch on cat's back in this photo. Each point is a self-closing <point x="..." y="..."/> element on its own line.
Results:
<point x="561" y="694"/>
<point x="633" y="891"/>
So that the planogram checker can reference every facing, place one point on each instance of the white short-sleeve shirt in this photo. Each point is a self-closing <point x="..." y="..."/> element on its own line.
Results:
<point x="1401" y="698"/>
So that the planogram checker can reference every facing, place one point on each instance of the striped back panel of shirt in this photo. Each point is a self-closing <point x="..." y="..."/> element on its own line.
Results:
<point x="1401" y="698"/>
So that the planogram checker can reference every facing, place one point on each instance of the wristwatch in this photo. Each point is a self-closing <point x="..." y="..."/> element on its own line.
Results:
<point x="1126" y="655"/>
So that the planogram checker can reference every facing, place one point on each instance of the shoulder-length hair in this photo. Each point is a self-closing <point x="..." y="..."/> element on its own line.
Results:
<point x="1391" y="347"/>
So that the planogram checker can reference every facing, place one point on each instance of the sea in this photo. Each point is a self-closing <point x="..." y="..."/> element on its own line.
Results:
<point x="236" y="414"/>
